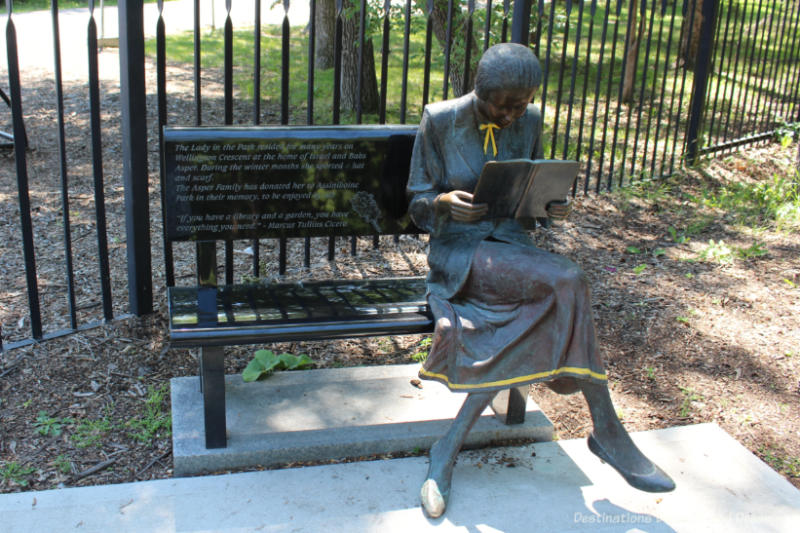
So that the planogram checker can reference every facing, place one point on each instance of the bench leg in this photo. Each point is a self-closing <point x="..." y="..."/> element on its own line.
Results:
<point x="509" y="405"/>
<point x="212" y="384"/>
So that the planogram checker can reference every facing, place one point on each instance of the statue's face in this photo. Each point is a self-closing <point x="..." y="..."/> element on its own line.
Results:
<point x="505" y="106"/>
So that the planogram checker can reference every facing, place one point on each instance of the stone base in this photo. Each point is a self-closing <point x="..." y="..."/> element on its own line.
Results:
<point x="319" y="415"/>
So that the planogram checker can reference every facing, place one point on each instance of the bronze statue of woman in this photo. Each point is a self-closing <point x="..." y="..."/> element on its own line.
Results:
<point x="506" y="312"/>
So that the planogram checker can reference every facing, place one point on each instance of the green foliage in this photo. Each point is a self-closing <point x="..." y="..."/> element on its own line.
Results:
<point x="156" y="421"/>
<point x="49" y="426"/>
<point x="639" y="269"/>
<point x="786" y="465"/>
<point x="678" y="238"/>
<point x="180" y="49"/>
<point x="90" y="432"/>
<point x="422" y="350"/>
<point x="756" y="249"/>
<point x="717" y="252"/>
<point x="757" y="204"/>
<point x="265" y="362"/>
<point x="63" y="464"/>
<point x="786" y="133"/>
<point x="699" y="224"/>
<point x="689" y="396"/>
<point x="16" y="473"/>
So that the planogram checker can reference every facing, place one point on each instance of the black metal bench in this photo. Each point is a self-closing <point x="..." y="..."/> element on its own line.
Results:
<point x="223" y="184"/>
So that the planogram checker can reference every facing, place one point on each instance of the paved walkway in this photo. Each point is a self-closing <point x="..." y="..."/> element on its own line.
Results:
<point x="553" y="487"/>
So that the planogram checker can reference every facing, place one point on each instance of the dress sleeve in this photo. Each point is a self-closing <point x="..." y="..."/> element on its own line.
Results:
<point x="425" y="177"/>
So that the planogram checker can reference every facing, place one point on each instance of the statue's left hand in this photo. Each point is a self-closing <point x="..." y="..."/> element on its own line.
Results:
<point x="559" y="209"/>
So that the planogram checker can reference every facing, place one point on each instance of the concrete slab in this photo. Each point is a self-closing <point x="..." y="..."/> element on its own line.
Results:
<point x="329" y="414"/>
<point x="553" y="487"/>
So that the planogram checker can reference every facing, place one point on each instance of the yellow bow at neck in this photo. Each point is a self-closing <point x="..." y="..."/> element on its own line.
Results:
<point x="489" y="135"/>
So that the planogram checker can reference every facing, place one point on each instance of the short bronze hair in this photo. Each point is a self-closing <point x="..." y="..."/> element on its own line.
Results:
<point x="507" y="66"/>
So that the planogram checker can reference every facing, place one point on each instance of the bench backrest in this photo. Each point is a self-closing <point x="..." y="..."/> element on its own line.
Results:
<point x="227" y="183"/>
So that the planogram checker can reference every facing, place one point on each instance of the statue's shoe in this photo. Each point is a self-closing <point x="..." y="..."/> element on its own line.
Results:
<point x="433" y="501"/>
<point x="656" y="480"/>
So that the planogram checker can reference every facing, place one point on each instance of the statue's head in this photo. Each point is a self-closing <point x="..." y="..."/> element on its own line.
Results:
<point x="507" y="79"/>
<point x="507" y="66"/>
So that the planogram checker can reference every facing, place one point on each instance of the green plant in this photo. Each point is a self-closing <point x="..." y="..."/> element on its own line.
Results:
<point x="48" y="426"/>
<point x="756" y="249"/>
<point x="639" y="269"/>
<point x="689" y="396"/>
<point x="699" y="224"/>
<point x="651" y="373"/>
<point x="384" y="344"/>
<point x="633" y="250"/>
<point x="685" y="319"/>
<point x="264" y="362"/>
<point x="786" y="132"/>
<point x="63" y="464"/>
<point x="790" y="283"/>
<point x="90" y="432"/>
<point x="422" y="350"/>
<point x="16" y="473"/>
<point x="678" y="238"/>
<point x="156" y="421"/>
<point x="718" y="252"/>
<point x="755" y="204"/>
<point x="789" y="466"/>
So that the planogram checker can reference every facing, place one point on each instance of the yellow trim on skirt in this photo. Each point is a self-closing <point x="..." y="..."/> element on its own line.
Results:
<point x="514" y="381"/>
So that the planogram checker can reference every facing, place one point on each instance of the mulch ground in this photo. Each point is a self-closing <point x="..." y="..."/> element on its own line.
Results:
<point x="689" y="333"/>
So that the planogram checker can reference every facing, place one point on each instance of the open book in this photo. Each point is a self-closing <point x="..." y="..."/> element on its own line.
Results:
<point x="522" y="188"/>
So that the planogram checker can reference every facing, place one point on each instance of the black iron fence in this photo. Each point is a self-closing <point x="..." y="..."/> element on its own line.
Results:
<point x="633" y="89"/>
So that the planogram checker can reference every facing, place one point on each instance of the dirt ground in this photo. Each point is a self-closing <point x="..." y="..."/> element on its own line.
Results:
<point x="689" y="333"/>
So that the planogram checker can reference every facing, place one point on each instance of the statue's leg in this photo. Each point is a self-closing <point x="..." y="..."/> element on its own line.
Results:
<point x="436" y="489"/>
<point x="612" y="444"/>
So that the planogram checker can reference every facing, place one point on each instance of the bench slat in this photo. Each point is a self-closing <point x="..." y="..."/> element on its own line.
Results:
<point x="253" y="313"/>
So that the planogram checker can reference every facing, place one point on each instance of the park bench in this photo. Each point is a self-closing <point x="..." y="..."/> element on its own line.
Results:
<point x="233" y="183"/>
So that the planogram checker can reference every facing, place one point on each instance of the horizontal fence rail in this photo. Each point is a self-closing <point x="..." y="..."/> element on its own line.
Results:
<point x="632" y="89"/>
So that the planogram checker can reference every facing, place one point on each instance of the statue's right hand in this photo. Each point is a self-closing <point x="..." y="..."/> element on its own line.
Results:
<point x="460" y="207"/>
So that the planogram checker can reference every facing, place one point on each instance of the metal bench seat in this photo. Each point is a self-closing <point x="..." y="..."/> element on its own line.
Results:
<point x="260" y="313"/>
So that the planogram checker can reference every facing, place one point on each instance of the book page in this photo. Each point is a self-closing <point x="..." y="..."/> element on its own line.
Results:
<point x="502" y="185"/>
<point x="551" y="180"/>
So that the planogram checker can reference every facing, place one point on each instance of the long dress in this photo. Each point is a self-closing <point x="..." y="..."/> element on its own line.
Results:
<point x="506" y="312"/>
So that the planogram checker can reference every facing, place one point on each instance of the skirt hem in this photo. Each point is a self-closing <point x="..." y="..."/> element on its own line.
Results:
<point x="579" y="373"/>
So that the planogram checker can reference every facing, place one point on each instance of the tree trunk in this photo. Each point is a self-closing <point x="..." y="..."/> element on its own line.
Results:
<point x="457" y="48"/>
<point x="350" y="54"/>
<point x="325" y="33"/>
<point x="635" y="37"/>
<point x="690" y="36"/>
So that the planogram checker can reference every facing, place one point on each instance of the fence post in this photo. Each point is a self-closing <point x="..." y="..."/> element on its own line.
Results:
<point x="521" y="22"/>
<point x="134" y="155"/>
<point x="702" y="71"/>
